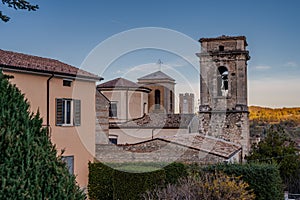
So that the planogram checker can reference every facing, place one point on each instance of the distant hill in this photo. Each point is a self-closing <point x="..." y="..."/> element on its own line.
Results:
<point x="262" y="117"/>
<point x="274" y="115"/>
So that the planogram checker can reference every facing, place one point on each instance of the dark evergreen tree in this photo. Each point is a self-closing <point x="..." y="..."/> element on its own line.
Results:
<point x="278" y="147"/>
<point x="29" y="165"/>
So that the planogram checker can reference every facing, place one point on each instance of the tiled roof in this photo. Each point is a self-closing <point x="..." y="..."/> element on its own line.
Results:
<point x="159" y="75"/>
<point x="199" y="142"/>
<point x="24" y="62"/>
<point x="205" y="143"/>
<point x="157" y="120"/>
<point x="118" y="82"/>
<point x="121" y="83"/>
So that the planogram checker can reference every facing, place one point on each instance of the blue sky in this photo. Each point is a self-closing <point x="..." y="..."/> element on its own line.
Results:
<point x="69" y="30"/>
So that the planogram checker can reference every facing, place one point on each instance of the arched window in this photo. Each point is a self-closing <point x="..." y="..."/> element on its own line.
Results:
<point x="157" y="99"/>
<point x="222" y="81"/>
<point x="171" y="101"/>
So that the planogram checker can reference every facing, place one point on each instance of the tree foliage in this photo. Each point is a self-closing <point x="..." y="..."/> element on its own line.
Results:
<point x="29" y="166"/>
<point x="264" y="179"/>
<point x="277" y="147"/>
<point x="18" y="5"/>
<point x="274" y="115"/>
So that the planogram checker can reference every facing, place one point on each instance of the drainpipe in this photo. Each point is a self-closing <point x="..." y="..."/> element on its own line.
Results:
<point x="48" y="102"/>
<point x="153" y="133"/>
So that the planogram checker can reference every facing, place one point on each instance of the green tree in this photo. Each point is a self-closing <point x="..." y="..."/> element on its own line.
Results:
<point x="29" y="165"/>
<point x="278" y="147"/>
<point x="18" y="5"/>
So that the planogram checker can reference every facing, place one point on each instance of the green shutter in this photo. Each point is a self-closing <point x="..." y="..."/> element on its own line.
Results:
<point x="77" y="112"/>
<point x="59" y="112"/>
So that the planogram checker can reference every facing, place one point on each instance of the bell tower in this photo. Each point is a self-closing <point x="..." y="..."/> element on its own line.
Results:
<point x="223" y="89"/>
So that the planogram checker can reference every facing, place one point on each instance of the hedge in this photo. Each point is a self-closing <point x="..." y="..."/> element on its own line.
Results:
<point x="124" y="183"/>
<point x="100" y="184"/>
<point x="108" y="183"/>
<point x="133" y="185"/>
<point x="264" y="179"/>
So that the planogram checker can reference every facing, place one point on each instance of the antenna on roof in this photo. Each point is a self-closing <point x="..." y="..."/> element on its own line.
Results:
<point x="159" y="62"/>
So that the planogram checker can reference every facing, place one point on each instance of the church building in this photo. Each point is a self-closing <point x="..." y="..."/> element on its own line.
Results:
<point x="222" y="124"/>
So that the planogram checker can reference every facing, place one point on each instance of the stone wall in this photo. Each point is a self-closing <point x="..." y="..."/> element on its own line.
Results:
<point x="156" y="151"/>
<point x="102" y="122"/>
<point x="231" y="126"/>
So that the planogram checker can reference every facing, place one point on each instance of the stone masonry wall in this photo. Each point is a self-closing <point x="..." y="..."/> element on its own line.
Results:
<point x="233" y="127"/>
<point x="154" y="151"/>
<point x="102" y="117"/>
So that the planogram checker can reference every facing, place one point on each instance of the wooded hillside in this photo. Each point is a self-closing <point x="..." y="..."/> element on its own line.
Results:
<point x="274" y="115"/>
<point x="288" y="118"/>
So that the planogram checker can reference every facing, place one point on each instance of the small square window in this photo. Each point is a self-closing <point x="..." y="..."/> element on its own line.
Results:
<point x="221" y="48"/>
<point x="68" y="112"/>
<point x="67" y="83"/>
<point x="113" y="140"/>
<point x="69" y="160"/>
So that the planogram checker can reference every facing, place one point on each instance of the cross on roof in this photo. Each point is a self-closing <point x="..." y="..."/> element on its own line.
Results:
<point x="159" y="62"/>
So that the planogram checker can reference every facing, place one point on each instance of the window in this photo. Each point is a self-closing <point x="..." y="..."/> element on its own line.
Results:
<point x="157" y="99"/>
<point x="113" y="109"/>
<point x="69" y="160"/>
<point x="67" y="82"/>
<point x="145" y="108"/>
<point x="113" y="139"/>
<point x="221" y="48"/>
<point x="222" y="81"/>
<point x="171" y="101"/>
<point x="68" y="112"/>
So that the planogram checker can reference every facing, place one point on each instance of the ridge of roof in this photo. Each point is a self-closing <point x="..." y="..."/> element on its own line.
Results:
<point x="156" y="75"/>
<point x="21" y="61"/>
<point x="120" y="83"/>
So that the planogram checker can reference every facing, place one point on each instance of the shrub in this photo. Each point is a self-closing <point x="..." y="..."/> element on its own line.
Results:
<point x="264" y="179"/>
<point x="175" y="171"/>
<point x="217" y="186"/>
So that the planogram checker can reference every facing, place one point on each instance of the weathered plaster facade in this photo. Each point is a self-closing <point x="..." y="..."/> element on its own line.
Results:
<point x="165" y="86"/>
<point x="130" y="99"/>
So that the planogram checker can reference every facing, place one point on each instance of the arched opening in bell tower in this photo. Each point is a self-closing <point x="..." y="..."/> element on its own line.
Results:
<point x="222" y="81"/>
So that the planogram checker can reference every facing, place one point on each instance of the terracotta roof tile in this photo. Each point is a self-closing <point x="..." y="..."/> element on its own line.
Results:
<point x="200" y="142"/>
<point x="205" y="143"/>
<point x="121" y="83"/>
<point x="118" y="82"/>
<point x="13" y="60"/>
<point x="159" y="120"/>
